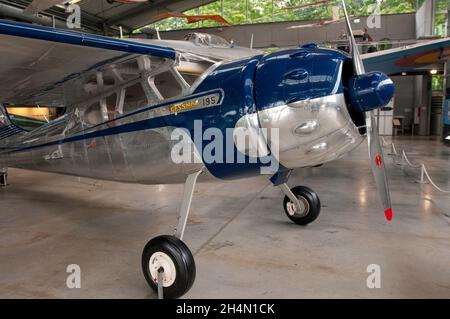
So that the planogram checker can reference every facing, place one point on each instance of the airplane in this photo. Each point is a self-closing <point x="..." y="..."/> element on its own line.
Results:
<point x="124" y="100"/>
<point x="195" y="18"/>
<point x="127" y="1"/>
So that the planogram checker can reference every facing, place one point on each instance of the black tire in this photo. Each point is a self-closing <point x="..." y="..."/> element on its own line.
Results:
<point x="304" y="193"/>
<point x="181" y="257"/>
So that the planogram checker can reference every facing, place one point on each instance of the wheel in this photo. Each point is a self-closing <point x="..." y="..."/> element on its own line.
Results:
<point x="310" y="203"/>
<point x="176" y="260"/>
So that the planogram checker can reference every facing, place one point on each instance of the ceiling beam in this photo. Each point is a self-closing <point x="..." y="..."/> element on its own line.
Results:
<point x="89" y="23"/>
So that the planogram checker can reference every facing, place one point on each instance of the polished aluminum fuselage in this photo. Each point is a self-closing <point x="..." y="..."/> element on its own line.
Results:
<point x="311" y="132"/>
<point x="142" y="157"/>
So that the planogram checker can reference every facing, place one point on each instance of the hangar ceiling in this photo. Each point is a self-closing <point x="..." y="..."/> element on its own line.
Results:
<point x="101" y="16"/>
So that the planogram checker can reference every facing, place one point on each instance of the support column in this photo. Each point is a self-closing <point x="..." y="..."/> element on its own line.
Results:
<point x="425" y="19"/>
<point x="422" y="100"/>
<point x="446" y="129"/>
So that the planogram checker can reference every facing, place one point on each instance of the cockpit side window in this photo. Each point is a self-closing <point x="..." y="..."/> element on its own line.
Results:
<point x="190" y="78"/>
<point x="111" y="102"/>
<point x="101" y="111"/>
<point x="135" y="98"/>
<point x="168" y="85"/>
<point x="191" y="68"/>
<point x="93" y="114"/>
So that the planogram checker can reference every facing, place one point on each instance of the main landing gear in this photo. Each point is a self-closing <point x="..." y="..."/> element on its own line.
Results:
<point x="301" y="204"/>
<point x="167" y="262"/>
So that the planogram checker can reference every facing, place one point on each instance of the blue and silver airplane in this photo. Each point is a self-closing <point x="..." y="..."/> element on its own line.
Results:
<point x="118" y="103"/>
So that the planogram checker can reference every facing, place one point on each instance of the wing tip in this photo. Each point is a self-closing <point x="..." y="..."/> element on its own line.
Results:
<point x="388" y="213"/>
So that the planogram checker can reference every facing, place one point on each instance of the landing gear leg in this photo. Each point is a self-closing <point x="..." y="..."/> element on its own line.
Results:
<point x="167" y="258"/>
<point x="3" y="177"/>
<point x="301" y="204"/>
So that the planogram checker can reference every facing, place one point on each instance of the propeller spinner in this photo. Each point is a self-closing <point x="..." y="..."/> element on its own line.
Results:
<point x="369" y="91"/>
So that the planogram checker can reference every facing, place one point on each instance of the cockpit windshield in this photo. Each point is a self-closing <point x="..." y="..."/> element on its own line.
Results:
<point x="207" y="40"/>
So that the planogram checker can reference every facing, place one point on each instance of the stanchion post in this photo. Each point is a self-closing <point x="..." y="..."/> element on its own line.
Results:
<point x="402" y="161"/>
<point x="422" y="175"/>
<point x="393" y="151"/>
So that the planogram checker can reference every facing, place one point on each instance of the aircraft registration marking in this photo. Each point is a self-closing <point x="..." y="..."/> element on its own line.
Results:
<point x="197" y="103"/>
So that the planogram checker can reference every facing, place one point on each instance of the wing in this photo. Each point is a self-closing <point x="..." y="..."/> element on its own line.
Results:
<point x="39" y="64"/>
<point x="404" y="59"/>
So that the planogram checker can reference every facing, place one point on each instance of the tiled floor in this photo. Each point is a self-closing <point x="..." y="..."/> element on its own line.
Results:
<point x="243" y="243"/>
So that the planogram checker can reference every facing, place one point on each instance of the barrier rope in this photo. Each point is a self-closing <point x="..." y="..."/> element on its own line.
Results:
<point x="408" y="161"/>
<point x="425" y="172"/>
<point x="405" y="161"/>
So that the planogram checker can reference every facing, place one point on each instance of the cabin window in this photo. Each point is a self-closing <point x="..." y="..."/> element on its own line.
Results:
<point x="111" y="102"/>
<point x="93" y="114"/>
<point x="135" y="98"/>
<point x="101" y="111"/>
<point x="189" y="77"/>
<point x="167" y="85"/>
<point x="32" y="117"/>
<point x="108" y="80"/>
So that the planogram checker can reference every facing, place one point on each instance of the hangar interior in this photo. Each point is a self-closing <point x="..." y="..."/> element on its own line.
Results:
<point x="243" y="244"/>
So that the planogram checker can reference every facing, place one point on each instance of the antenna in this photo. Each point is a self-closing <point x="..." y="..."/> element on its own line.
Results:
<point x="157" y="34"/>
<point x="121" y="31"/>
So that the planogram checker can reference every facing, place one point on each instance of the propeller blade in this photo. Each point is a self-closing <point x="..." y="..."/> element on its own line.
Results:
<point x="375" y="150"/>
<point x="357" y="61"/>
<point x="377" y="164"/>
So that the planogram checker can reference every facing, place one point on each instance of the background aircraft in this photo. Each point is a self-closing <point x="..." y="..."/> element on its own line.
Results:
<point x="195" y="18"/>
<point x="125" y="98"/>
<point x="127" y="1"/>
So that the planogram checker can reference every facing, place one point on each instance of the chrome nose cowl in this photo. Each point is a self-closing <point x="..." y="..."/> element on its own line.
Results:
<point x="370" y="91"/>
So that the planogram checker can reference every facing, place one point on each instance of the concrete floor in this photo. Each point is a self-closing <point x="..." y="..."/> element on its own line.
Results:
<point x="244" y="245"/>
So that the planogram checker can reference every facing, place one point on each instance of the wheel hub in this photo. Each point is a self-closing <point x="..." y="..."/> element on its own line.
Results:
<point x="293" y="210"/>
<point x="162" y="260"/>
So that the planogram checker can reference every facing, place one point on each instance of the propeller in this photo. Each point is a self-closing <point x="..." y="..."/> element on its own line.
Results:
<point x="369" y="91"/>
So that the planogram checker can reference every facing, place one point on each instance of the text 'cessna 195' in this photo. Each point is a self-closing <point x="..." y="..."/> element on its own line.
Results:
<point x="160" y="111"/>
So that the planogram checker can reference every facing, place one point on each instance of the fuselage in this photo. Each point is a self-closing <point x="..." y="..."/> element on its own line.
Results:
<point x="299" y="92"/>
